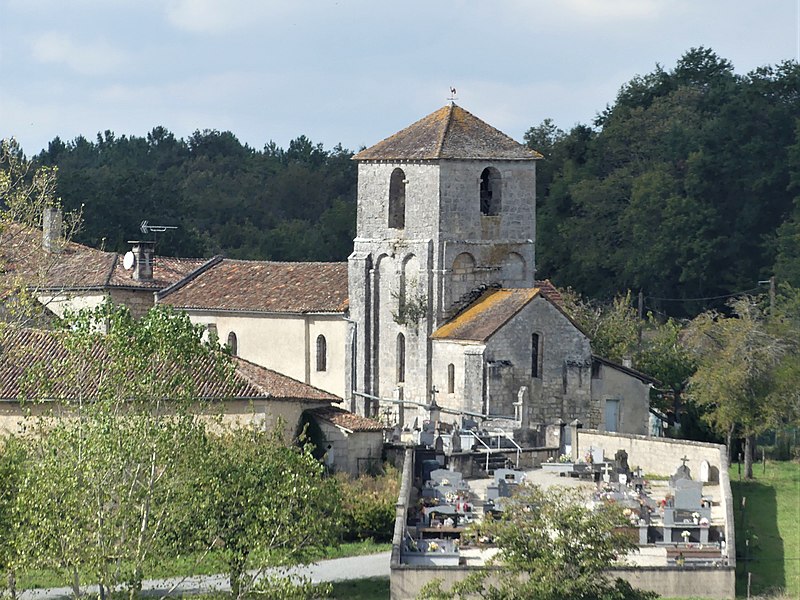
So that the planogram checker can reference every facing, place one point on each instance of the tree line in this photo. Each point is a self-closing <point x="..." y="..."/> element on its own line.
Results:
<point x="224" y="197"/>
<point x="685" y="187"/>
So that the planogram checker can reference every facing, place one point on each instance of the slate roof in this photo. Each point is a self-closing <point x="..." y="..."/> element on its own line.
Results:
<point x="77" y="266"/>
<point x="486" y="315"/>
<point x="34" y="364"/>
<point x="643" y="377"/>
<point x="263" y="286"/>
<point x="449" y="133"/>
<point x="345" y="419"/>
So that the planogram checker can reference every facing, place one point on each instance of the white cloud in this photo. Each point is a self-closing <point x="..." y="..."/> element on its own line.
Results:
<point x="86" y="58"/>
<point x="222" y="16"/>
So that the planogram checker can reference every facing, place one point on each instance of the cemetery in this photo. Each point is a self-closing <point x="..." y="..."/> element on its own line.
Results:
<point x="679" y="510"/>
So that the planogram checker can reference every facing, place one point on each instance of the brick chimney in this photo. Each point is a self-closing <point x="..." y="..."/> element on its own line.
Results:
<point x="52" y="226"/>
<point x="143" y="260"/>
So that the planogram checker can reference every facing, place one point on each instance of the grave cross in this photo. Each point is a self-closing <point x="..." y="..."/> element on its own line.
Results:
<point x="684" y="460"/>
<point x="606" y="473"/>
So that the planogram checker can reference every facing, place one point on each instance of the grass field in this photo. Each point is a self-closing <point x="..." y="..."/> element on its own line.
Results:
<point x="374" y="588"/>
<point x="770" y="519"/>
<point x="211" y="564"/>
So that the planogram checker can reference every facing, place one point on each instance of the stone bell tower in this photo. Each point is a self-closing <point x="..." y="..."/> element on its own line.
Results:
<point x="445" y="206"/>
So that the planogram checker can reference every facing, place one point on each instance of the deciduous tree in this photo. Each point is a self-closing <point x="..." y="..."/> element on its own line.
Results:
<point x="552" y="545"/>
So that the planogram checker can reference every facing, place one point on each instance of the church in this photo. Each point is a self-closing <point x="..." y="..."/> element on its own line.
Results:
<point x="443" y="295"/>
<point x="437" y="310"/>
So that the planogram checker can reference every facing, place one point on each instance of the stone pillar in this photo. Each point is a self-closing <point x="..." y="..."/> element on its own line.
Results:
<point x="523" y="398"/>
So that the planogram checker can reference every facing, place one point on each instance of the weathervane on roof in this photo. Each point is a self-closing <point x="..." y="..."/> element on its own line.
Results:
<point x="452" y="94"/>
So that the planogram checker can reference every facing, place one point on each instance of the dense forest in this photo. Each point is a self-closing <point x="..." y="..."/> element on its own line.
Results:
<point x="684" y="187"/>
<point x="224" y="197"/>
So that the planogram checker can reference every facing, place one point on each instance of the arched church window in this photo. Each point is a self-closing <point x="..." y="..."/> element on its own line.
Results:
<point x="322" y="353"/>
<point x="401" y="358"/>
<point x="397" y="200"/>
<point x="490" y="192"/>
<point x="536" y="355"/>
<point x="451" y="378"/>
<point x="233" y="343"/>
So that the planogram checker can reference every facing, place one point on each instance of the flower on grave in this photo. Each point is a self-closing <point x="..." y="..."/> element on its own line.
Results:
<point x="685" y="535"/>
<point x="589" y="459"/>
<point x="433" y="546"/>
<point x="695" y="515"/>
<point x="564" y="458"/>
<point x="704" y="522"/>
<point x="445" y="482"/>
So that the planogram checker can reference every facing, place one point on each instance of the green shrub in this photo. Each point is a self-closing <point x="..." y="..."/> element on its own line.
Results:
<point x="368" y="505"/>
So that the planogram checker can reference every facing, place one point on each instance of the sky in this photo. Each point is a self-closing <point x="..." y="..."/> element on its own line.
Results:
<point x="349" y="71"/>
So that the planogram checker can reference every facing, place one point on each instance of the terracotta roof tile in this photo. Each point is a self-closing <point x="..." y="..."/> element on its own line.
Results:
<point x="25" y="352"/>
<point x="486" y="315"/>
<point x="76" y="266"/>
<point x="346" y="420"/>
<point x="449" y="133"/>
<point x="280" y="386"/>
<point x="262" y="286"/>
<point x="550" y="291"/>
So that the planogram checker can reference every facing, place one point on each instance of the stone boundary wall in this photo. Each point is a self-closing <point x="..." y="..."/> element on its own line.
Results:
<point x="656" y="456"/>
<point x="682" y="582"/>
<point x="661" y="456"/>
<point x="707" y="582"/>
<point x="401" y="514"/>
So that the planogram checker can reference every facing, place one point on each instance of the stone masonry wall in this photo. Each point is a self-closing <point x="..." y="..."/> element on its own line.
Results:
<point x="634" y="397"/>
<point x="563" y="391"/>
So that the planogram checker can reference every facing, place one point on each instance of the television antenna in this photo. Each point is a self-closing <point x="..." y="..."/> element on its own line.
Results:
<point x="146" y="228"/>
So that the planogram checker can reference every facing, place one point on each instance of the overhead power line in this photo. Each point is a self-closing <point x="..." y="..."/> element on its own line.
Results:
<point x="732" y="295"/>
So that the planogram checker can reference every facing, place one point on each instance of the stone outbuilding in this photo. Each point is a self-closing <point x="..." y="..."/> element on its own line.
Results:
<point x="351" y="443"/>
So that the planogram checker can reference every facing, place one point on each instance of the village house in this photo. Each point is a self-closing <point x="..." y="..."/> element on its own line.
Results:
<point x="250" y="394"/>
<point x="288" y="316"/>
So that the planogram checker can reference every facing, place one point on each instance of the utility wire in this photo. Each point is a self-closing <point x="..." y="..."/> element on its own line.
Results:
<point x="734" y="294"/>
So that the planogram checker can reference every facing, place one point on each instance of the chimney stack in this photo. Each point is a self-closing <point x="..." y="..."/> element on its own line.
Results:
<point x="143" y="260"/>
<point x="52" y="225"/>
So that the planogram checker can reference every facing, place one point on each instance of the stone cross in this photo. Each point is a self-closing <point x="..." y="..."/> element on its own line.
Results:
<point x="607" y="473"/>
<point x="684" y="460"/>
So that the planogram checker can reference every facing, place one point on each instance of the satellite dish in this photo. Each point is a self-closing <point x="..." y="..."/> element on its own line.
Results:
<point x="128" y="260"/>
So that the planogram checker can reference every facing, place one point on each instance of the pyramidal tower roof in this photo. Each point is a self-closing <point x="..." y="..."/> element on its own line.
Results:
<point x="449" y="133"/>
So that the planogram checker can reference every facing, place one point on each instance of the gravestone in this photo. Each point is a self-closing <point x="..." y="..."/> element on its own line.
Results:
<point x="705" y="471"/>
<point x="455" y="443"/>
<point x="687" y="509"/>
<point x="607" y="473"/>
<point x="682" y="472"/>
<point x="621" y="462"/>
